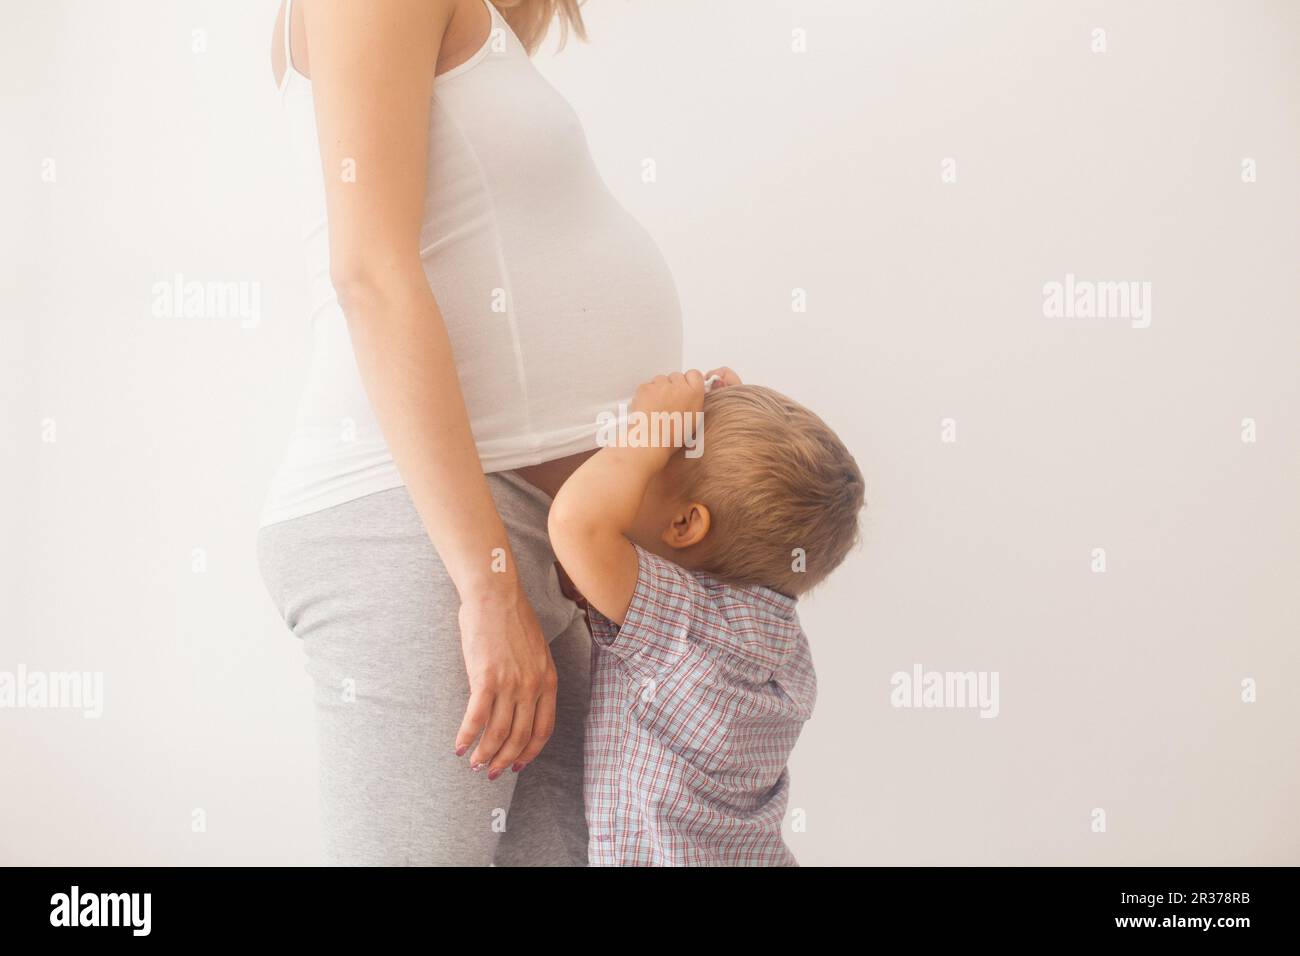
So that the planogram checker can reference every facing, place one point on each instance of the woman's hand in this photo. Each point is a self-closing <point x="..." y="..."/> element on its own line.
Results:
<point x="511" y="680"/>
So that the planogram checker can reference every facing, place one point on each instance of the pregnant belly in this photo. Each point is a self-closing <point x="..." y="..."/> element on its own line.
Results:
<point x="553" y="330"/>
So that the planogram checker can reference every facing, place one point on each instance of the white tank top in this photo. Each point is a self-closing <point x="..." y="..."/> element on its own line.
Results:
<point x="557" y="302"/>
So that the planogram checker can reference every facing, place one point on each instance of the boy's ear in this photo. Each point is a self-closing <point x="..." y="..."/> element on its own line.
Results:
<point x="689" y="526"/>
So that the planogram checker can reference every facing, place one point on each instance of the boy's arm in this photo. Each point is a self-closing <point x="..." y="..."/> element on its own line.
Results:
<point x="588" y="519"/>
<point x="598" y="505"/>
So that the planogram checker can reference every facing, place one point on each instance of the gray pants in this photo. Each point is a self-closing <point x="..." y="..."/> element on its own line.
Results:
<point x="361" y="585"/>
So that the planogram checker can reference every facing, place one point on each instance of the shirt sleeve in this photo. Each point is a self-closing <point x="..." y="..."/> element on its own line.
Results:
<point x="655" y="630"/>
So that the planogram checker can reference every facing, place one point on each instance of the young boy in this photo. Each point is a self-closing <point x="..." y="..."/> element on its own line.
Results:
<point x="690" y="565"/>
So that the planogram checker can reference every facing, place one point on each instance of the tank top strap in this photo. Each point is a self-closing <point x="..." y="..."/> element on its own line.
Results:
<point x="288" y="19"/>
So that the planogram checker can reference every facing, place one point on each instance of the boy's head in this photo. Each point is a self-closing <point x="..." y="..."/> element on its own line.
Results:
<point x="773" y="501"/>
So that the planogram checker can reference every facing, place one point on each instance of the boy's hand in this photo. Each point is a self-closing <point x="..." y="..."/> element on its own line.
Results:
<point x="673" y="407"/>
<point x="672" y="411"/>
<point x="725" y="377"/>
<point x="681" y="392"/>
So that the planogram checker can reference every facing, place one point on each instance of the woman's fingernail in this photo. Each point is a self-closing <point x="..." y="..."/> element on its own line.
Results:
<point x="460" y="751"/>
<point x="493" y="774"/>
<point x="476" y="767"/>
<point x="517" y="766"/>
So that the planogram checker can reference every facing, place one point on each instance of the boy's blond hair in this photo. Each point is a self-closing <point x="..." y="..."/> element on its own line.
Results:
<point x="779" y="484"/>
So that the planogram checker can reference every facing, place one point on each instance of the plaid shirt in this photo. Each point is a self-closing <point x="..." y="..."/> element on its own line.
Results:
<point x="696" y="702"/>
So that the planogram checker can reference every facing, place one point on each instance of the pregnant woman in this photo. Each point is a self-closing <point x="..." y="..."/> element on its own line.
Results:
<point x="478" y="299"/>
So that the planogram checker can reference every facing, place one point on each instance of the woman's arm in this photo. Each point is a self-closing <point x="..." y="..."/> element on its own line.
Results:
<point x="372" y="69"/>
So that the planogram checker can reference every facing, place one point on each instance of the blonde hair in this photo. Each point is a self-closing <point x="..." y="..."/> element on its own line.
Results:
<point x="531" y="20"/>
<point x="779" y="484"/>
